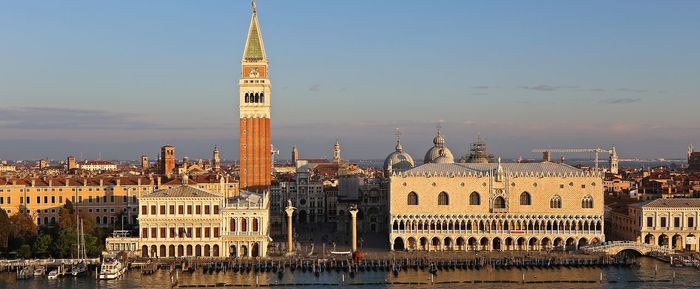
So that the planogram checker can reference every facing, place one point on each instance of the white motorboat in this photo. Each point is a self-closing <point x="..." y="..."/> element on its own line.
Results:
<point x="40" y="271"/>
<point x="54" y="274"/>
<point x="111" y="268"/>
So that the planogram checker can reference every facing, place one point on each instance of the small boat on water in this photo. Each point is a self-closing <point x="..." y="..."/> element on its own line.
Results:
<point x="25" y="273"/>
<point x="40" y="271"/>
<point x="53" y="274"/>
<point x="111" y="268"/>
<point x="56" y="273"/>
<point x="79" y="269"/>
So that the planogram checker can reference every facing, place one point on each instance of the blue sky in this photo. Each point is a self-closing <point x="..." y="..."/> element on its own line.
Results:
<point x="121" y="78"/>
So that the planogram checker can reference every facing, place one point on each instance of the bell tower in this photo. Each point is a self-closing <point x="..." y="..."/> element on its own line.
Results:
<point x="254" y="102"/>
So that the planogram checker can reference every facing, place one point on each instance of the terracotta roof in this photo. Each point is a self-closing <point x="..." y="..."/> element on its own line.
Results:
<point x="97" y="163"/>
<point x="110" y="180"/>
<point x="674" y="203"/>
<point x="479" y="168"/>
<point x="182" y="192"/>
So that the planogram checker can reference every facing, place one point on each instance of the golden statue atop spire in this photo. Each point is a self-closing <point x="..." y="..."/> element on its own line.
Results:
<point x="255" y="8"/>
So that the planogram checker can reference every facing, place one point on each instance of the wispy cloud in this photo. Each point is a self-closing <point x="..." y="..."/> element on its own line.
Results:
<point x="481" y="87"/>
<point x="632" y="90"/>
<point x="545" y="87"/>
<point x="622" y="100"/>
<point x="51" y="118"/>
<point x="315" y="88"/>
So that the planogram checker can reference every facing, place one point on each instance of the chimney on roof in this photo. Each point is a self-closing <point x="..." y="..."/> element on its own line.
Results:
<point x="546" y="156"/>
<point x="50" y="182"/>
<point x="102" y="182"/>
<point x="185" y="179"/>
<point x="119" y="181"/>
<point x="33" y="182"/>
<point x="158" y="181"/>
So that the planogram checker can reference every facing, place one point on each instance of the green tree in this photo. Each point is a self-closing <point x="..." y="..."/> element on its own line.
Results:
<point x="25" y="251"/>
<point x="65" y="243"/>
<point x="92" y="245"/>
<point x="42" y="246"/>
<point x="66" y="217"/>
<point x="22" y="230"/>
<point x="4" y="230"/>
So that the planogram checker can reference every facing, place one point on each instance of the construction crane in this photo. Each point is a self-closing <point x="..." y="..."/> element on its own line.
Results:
<point x="546" y="153"/>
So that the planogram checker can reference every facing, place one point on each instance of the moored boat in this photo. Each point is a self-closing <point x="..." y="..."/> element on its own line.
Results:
<point x="40" y="271"/>
<point x="79" y="269"/>
<point x="25" y="273"/>
<point x="111" y="268"/>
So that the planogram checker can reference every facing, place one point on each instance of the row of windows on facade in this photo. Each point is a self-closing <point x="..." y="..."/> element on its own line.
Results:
<point x="53" y="211"/>
<point x="493" y="225"/>
<point x="255" y="97"/>
<point x="180" y="210"/>
<point x="98" y="220"/>
<point x="676" y="222"/>
<point x="89" y="189"/>
<point x="179" y="233"/>
<point x="187" y="232"/>
<point x="499" y="202"/>
<point x="106" y="189"/>
<point x="52" y="199"/>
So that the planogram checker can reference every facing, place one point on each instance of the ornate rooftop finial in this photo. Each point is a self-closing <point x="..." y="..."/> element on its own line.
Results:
<point x="439" y="140"/>
<point x="399" y="148"/>
<point x="255" y="8"/>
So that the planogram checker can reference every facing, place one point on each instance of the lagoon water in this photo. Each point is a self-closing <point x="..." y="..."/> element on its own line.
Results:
<point x="613" y="277"/>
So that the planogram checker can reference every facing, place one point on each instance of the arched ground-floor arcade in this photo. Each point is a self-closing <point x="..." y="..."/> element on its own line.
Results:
<point x="493" y="242"/>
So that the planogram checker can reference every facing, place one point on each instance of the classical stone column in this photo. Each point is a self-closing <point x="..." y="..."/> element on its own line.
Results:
<point x="290" y="245"/>
<point x="353" y="214"/>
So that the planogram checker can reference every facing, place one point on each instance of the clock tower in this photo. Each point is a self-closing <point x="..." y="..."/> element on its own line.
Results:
<point x="254" y="102"/>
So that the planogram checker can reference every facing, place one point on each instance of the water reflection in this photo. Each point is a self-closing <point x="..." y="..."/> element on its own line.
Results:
<point x="613" y="277"/>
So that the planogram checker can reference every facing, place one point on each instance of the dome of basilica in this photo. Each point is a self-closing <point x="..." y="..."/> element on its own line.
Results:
<point x="438" y="151"/>
<point x="398" y="161"/>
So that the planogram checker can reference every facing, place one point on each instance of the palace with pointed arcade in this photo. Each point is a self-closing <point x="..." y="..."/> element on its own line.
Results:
<point x="481" y="206"/>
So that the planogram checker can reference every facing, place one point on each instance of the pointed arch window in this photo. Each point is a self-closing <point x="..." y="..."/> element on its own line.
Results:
<point x="412" y="199"/>
<point x="262" y="98"/>
<point x="474" y="199"/>
<point x="587" y="202"/>
<point x="247" y="98"/>
<point x="499" y="203"/>
<point x="555" y="202"/>
<point x="525" y="199"/>
<point x="443" y="199"/>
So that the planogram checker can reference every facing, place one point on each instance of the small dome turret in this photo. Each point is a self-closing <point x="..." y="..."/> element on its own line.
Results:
<point x="439" y="150"/>
<point x="398" y="160"/>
